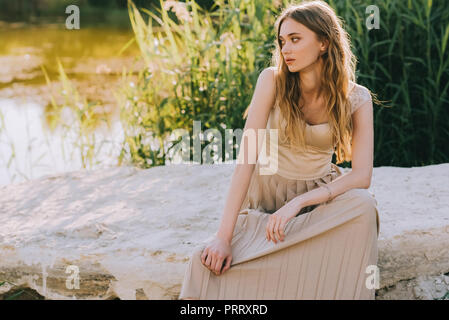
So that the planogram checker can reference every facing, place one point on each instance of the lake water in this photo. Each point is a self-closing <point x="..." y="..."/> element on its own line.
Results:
<point x="91" y="59"/>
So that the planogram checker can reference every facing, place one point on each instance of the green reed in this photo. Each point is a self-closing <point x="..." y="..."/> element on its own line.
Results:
<point x="86" y="118"/>
<point x="203" y="65"/>
<point x="205" y="69"/>
<point x="406" y="62"/>
<point x="199" y="66"/>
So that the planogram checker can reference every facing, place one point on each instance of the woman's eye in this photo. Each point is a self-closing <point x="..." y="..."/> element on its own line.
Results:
<point x="282" y="42"/>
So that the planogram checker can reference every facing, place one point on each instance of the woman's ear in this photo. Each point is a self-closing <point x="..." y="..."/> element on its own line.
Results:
<point x="323" y="46"/>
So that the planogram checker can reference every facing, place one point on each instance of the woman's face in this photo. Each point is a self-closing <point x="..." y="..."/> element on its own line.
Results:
<point x="299" y="43"/>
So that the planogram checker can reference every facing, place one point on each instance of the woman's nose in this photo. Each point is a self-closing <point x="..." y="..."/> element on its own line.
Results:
<point x="285" y="50"/>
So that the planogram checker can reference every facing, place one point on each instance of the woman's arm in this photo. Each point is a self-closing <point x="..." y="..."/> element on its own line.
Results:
<point x="345" y="182"/>
<point x="259" y="110"/>
<point x="218" y="251"/>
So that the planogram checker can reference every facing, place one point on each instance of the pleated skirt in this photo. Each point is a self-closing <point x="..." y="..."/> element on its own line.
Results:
<point x="329" y="251"/>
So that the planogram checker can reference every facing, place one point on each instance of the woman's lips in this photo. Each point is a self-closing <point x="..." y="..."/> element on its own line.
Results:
<point x="289" y="61"/>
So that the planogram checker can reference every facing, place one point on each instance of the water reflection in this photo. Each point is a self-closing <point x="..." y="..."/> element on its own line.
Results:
<point x="28" y="149"/>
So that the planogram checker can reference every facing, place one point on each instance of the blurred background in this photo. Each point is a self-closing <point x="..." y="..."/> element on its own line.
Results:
<point x="114" y="91"/>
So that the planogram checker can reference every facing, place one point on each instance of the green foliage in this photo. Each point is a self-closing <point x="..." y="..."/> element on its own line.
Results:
<point x="203" y="65"/>
<point x="199" y="66"/>
<point x="406" y="62"/>
<point x="206" y="68"/>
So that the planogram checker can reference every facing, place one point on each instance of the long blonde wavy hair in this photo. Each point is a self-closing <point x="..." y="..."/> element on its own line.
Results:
<point x="338" y="70"/>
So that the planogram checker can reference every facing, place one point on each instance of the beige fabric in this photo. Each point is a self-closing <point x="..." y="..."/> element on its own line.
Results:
<point x="327" y="246"/>
<point x="314" y="163"/>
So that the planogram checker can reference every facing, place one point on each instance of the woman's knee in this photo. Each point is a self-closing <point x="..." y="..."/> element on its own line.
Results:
<point x="368" y="204"/>
<point x="364" y="197"/>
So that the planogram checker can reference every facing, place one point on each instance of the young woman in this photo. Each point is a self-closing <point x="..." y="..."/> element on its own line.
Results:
<point x="307" y="231"/>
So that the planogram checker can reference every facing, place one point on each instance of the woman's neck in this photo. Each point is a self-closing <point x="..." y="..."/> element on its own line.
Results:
<point x="310" y="80"/>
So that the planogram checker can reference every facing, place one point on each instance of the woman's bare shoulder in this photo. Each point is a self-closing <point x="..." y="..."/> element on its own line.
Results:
<point x="268" y="83"/>
<point x="270" y="72"/>
<point x="273" y="70"/>
<point x="264" y="93"/>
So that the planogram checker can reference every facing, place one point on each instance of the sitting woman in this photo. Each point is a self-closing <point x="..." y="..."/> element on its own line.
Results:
<point x="304" y="230"/>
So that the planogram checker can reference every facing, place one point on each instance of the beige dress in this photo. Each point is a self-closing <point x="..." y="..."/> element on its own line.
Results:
<point x="327" y="247"/>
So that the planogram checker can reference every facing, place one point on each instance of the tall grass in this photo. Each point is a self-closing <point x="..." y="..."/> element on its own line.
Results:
<point x="406" y="61"/>
<point x="203" y="66"/>
<point x="199" y="66"/>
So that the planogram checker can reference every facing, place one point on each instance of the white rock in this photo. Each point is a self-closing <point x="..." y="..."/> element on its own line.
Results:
<point x="130" y="232"/>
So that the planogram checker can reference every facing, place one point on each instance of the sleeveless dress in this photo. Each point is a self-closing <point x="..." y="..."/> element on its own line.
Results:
<point x="328" y="247"/>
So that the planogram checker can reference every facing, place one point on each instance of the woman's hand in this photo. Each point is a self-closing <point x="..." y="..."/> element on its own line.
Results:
<point x="215" y="254"/>
<point x="278" y="220"/>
